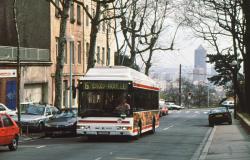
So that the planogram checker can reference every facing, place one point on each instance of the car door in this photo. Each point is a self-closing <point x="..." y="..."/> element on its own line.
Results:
<point x="2" y="132"/>
<point x="9" y="128"/>
<point x="48" y="113"/>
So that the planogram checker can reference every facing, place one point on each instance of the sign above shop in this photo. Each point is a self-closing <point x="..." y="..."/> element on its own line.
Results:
<point x="4" y="73"/>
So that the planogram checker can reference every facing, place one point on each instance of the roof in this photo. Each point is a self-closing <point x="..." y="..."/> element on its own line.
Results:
<point x="120" y="73"/>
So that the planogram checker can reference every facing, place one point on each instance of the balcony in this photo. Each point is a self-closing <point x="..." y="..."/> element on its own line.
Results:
<point x="9" y="53"/>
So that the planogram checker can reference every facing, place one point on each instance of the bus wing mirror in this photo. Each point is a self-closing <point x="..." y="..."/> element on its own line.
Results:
<point x="123" y="116"/>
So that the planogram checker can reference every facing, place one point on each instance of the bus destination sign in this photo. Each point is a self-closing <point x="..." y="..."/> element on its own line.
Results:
<point x="105" y="85"/>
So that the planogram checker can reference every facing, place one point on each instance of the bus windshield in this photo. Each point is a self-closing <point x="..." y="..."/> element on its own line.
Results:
<point x="104" y="103"/>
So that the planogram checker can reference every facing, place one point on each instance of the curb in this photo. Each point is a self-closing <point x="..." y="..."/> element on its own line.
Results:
<point x="24" y="138"/>
<point x="244" y="122"/>
<point x="208" y="144"/>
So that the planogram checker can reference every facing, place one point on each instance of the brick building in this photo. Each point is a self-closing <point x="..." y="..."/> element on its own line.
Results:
<point x="39" y="26"/>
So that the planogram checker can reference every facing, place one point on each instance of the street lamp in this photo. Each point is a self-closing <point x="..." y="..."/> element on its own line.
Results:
<point x="71" y="40"/>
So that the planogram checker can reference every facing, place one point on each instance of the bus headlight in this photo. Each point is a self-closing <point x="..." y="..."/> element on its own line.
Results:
<point x="83" y="127"/>
<point x="123" y="128"/>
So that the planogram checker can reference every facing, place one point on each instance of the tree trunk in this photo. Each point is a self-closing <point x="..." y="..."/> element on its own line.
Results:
<point x="246" y="10"/>
<point x="60" y="56"/>
<point x="148" y="63"/>
<point x="93" y="36"/>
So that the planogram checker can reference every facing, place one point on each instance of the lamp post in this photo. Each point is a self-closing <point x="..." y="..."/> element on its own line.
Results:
<point x="234" y="65"/>
<point x="71" y="39"/>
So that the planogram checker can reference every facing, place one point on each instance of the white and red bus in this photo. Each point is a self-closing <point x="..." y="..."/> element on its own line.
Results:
<point x="100" y="91"/>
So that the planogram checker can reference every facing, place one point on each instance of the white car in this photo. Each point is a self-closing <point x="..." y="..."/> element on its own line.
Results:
<point x="4" y="109"/>
<point x="172" y="106"/>
<point x="229" y="104"/>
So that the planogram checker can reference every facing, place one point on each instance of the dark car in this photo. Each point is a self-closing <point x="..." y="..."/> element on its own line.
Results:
<point x="9" y="132"/>
<point x="64" y="123"/>
<point x="219" y="115"/>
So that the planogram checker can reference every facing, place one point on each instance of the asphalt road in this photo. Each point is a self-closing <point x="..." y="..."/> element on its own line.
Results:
<point x="181" y="136"/>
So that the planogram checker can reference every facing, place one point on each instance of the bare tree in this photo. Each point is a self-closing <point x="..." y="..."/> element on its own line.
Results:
<point x="213" y="19"/>
<point x="104" y="12"/>
<point x="18" y="58"/>
<point x="140" y="27"/>
<point x="63" y="9"/>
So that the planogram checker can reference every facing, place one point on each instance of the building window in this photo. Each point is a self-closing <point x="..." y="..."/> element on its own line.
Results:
<point x="87" y="17"/>
<point x="65" y="93"/>
<point x="65" y="53"/>
<point x="73" y="87"/>
<point x="79" y="52"/>
<point x="57" y="46"/>
<point x="108" y="57"/>
<point x="72" y="52"/>
<point x="103" y="26"/>
<point x="103" y="55"/>
<point x="72" y="17"/>
<point x="56" y="10"/>
<point x="79" y="15"/>
<point x="87" y="50"/>
<point x="98" y="55"/>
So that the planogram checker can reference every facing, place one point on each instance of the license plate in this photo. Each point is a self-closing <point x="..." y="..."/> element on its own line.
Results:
<point x="103" y="133"/>
<point x="218" y="115"/>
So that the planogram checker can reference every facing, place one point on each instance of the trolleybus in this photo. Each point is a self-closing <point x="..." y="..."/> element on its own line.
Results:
<point x="102" y="89"/>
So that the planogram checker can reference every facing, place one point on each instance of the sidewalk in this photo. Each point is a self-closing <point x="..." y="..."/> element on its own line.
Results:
<point x="31" y="136"/>
<point x="229" y="142"/>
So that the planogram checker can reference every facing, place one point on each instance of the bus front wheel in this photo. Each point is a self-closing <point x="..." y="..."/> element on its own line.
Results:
<point x="139" y="131"/>
<point x="153" y="126"/>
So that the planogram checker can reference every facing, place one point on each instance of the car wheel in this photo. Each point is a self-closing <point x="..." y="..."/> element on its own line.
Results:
<point x="139" y="131"/>
<point x="41" y="126"/>
<point x="48" y="134"/>
<point x="211" y="124"/>
<point x="153" y="126"/>
<point x="14" y="144"/>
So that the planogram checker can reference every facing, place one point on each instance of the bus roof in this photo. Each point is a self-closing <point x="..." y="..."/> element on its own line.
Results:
<point x="121" y="73"/>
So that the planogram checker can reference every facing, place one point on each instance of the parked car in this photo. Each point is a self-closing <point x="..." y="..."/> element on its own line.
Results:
<point x="163" y="109"/>
<point x="219" y="115"/>
<point x="228" y="104"/>
<point x="172" y="106"/>
<point x="34" y="116"/>
<point x="65" y="123"/>
<point x="4" y="109"/>
<point x="9" y="132"/>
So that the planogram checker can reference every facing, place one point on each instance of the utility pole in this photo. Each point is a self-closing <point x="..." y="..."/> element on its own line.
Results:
<point x="180" y="86"/>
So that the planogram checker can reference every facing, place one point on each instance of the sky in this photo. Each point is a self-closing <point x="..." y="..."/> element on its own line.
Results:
<point x="183" y="53"/>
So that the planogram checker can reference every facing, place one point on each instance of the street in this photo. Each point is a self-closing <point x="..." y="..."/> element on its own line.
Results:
<point x="180" y="136"/>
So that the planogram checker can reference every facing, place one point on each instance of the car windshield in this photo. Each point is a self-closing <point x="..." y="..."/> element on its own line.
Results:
<point x="2" y="108"/>
<point x="35" y="110"/>
<point x="68" y="113"/>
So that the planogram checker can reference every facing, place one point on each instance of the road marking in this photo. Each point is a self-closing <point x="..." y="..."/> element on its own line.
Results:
<point x="99" y="158"/>
<point x="124" y="158"/>
<point x="168" y="127"/>
<point x="41" y="146"/>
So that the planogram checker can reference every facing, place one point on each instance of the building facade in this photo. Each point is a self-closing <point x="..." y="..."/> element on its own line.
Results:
<point x="39" y="26"/>
<point x="200" y="65"/>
